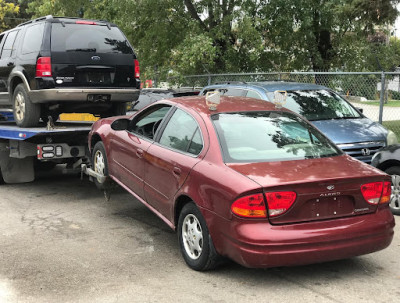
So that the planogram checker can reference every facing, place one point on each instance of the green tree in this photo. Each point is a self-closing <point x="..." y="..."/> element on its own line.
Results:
<point x="197" y="36"/>
<point x="8" y="11"/>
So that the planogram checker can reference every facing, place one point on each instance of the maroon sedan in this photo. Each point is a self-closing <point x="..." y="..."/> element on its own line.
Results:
<point x="244" y="180"/>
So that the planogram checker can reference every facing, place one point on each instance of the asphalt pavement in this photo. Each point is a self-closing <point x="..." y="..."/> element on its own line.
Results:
<point x="61" y="241"/>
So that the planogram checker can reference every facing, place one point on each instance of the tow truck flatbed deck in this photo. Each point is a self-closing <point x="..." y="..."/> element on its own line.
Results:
<point x="9" y="130"/>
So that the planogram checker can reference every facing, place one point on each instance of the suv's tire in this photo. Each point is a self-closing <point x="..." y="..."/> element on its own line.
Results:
<point x="26" y="113"/>
<point x="100" y="165"/>
<point x="195" y="241"/>
<point x="394" y="203"/>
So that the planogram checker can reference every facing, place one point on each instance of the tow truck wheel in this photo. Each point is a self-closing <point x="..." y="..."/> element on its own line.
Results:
<point x="26" y="113"/>
<point x="100" y="166"/>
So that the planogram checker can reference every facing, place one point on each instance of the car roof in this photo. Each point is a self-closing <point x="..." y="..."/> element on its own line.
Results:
<point x="227" y="104"/>
<point x="271" y="86"/>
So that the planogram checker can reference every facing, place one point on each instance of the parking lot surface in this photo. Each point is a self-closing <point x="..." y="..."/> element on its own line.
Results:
<point x="61" y="241"/>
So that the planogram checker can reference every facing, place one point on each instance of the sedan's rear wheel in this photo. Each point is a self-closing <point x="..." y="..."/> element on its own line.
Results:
<point x="26" y="113"/>
<point x="394" y="203"/>
<point x="194" y="239"/>
<point x="100" y="166"/>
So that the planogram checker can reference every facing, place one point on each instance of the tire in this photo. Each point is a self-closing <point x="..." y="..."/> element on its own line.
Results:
<point x="26" y="113"/>
<point x="195" y="242"/>
<point x="100" y="165"/>
<point x="394" y="203"/>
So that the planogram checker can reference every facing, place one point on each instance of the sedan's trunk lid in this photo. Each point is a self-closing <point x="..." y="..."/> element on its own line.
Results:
<point x="325" y="188"/>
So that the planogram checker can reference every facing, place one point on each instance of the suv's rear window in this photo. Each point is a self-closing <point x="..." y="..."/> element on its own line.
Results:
<point x="88" y="38"/>
<point x="269" y="136"/>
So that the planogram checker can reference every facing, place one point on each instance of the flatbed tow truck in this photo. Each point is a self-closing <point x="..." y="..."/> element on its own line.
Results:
<point x="23" y="150"/>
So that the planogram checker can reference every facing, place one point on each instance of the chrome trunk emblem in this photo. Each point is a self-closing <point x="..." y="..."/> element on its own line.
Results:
<point x="330" y="187"/>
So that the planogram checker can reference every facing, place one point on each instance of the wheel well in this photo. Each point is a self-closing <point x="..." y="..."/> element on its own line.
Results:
<point x="180" y="203"/>
<point x="14" y="82"/>
<point x="385" y="165"/>
<point x="95" y="138"/>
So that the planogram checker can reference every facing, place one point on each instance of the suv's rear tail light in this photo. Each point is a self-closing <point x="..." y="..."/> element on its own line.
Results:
<point x="43" y="67"/>
<point x="85" y="22"/>
<point x="137" y="69"/>
<point x="279" y="202"/>
<point x="250" y="207"/>
<point x="376" y="192"/>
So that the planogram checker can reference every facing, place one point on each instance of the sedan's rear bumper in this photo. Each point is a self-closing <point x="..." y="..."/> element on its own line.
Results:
<point x="259" y="244"/>
<point x="82" y="95"/>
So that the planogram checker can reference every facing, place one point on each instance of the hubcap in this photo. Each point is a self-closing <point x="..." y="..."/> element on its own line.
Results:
<point x="99" y="165"/>
<point x="395" y="197"/>
<point x="19" y="106"/>
<point x="192" y="236"/>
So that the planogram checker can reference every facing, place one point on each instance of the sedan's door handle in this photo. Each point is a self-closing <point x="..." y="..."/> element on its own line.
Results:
<point x="176" y="171"/>
<point x="139" y="153"/>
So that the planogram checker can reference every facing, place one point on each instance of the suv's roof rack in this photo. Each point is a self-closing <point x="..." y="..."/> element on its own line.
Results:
<point x="230" y="82"/>
<point x="36" y="20"/>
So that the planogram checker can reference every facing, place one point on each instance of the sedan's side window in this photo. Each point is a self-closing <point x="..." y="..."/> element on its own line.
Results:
<point x="147" y="123"/>
<point x="182" y="133"/>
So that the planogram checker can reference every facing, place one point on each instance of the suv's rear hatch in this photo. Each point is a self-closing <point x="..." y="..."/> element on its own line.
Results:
<point x="325" y="188"/>
<point x="91" y="54"/>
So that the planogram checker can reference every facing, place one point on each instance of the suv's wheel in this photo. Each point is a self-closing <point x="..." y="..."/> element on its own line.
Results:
<point x="26" y="113"/>
<point x="194" y="239"/>
<point x="394" y="203"/>
<point x="100" y="165"/>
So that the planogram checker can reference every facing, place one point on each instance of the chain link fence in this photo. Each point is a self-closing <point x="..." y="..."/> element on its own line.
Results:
<point x="362" y="89"/>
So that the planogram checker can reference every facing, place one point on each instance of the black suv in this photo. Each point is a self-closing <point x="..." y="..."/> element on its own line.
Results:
<point x="54" y="65"/>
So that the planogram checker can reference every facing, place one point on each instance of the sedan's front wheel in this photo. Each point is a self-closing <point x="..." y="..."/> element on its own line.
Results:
<point x="100" y="166"/>
<point x="194" y="239"/>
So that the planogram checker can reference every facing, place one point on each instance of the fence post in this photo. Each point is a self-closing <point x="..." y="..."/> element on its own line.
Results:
<point x="382" y="97"/>
<point x="209" y="79"/>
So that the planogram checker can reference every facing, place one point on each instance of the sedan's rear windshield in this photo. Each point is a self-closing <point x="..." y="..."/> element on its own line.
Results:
<point x="269" y="136"/>
<point x="319" y="105"/>
<point x="72" y="37"/>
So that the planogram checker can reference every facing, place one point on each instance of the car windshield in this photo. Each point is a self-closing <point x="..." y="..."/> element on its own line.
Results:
<point x="319" y="105"/>
<point x="269" y="136"/>
<point x="69" y="37"/>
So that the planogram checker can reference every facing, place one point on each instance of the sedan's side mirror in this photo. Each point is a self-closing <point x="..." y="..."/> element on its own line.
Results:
<point x="120" y="124"/>
<point x="361" y="110"/>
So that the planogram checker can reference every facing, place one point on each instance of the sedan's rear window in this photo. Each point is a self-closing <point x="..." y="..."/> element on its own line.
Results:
<point x="72" y="37"/>
<point x="269" y="136"/>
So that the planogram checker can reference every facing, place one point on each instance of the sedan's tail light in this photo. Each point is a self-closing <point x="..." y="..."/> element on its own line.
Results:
<point x="137" y="69"/>
<point x="376" y="192"/>
<point x="387" y="191"/>
<point x="43" y="67"/>
<point x="250" y="207"/>
<point x="279" y="202"/>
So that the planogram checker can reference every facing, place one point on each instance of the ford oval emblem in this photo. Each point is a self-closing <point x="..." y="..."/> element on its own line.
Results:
<point x="96" y="58"/>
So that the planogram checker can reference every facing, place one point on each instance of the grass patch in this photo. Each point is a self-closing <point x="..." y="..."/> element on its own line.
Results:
<point x="391" y="103"/>
<point x="394" y="126"/>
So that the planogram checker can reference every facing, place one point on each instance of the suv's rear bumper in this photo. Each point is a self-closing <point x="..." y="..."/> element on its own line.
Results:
<point x="81" y="95"/>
